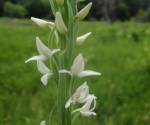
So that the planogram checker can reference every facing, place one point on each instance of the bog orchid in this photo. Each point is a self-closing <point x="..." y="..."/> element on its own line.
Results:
<point x="43" y="50"/>
<point x="86" y="109"/>
<point x="77" y="68"/>
<point x="79" y="96"/>
<point x="55" y="59"/>
<point x="60" y="23"/>
<point x="84" y="12"/>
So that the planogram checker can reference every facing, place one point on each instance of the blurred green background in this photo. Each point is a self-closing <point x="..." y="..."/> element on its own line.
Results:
<point x="119" y="50"/>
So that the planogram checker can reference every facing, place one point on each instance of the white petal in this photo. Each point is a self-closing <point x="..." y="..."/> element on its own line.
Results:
<point x="60" y="25"/>
<point x="89" y="73"/>
<point x="64" y="71"/>
<point x="36" y="58"/>
<point x="44" y="79"/>
<point x="78" y="65"/>
<point x="85" y="109"/>
<point x="42" y="48"/>
<point x="68" y="103"/>
<point x="84" y="12"/>
<point x="56" y="36"/>
<point x="42" y="23"/>
<point x="81" y="39"/>
<point x="54" y="51"/>
<point x="43" y="69"/>
<point x="87" y="114"/>
<point x="43" y="123"/>
<point x="81" y="93"/>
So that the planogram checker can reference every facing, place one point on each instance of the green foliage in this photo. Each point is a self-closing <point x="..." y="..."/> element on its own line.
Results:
<point x="14" y="10"/>
<point x="123" y="90"/>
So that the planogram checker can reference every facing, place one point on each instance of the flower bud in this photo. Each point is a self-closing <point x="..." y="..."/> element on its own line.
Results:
<point x="60" y="25"/>
<point x="60" y="2"/>
<point x="84" y="12"/>
<point x="42" y="23"/>
<point x="81" y="39"/>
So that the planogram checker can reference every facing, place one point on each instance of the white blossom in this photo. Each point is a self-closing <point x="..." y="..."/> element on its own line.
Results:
<point x="44" y="52"/>
<point x="79" y="96"/>
<point x="60" y="25"/>
<point x="83" y="12"/>
<point x="78" y="68"/>
<point x="81" y="39"/>
<point x="87" y="109"/>
<point x="43" y="69"/>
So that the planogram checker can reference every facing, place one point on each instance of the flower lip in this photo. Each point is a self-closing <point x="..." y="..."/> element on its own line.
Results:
<point x="86" y="109"/>
<point x="79" y="96"/>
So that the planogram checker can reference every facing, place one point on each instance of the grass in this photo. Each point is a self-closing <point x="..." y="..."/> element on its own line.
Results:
<point x="120" y="51"/>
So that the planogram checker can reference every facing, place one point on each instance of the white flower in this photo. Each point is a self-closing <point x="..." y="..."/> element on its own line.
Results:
<point x="60" y="25"/>
<point x="60" y="2"/>
<point x="84" y="12"/>
<point x="43" y="50"/>
<point x="43" y="123"/>
<point x="43" y="69"/>
<point x="86" y="109"/>
<point x="77" y="68"/>
<point x="81" y="39"/>
<point x="42" y="23"/>
<point x="79" y="96"/>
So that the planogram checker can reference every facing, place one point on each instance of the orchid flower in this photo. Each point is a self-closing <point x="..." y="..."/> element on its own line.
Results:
<point x="86" y="109"/>
<point x="81" y="39"/>
<point x="79" y="96"/>
<point x="42" y="23"/>
<point x="43" y="123"/>
<point x="43" y="50"/>
<point x="43" y="69"/>
<point x="77" y="68"/>
<point x="60" y="25"/>
<point x="83" y="12"/>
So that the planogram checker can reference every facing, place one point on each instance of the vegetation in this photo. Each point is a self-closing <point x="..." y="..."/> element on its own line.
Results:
<point x="109" y="10"/>
<point x="121" y="51"/>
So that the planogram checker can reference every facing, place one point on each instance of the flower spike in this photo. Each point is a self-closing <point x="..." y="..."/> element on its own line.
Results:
<point x="84" y="12"/>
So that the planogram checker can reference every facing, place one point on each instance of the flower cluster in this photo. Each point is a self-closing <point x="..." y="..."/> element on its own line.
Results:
<point x="59" y="52"/>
